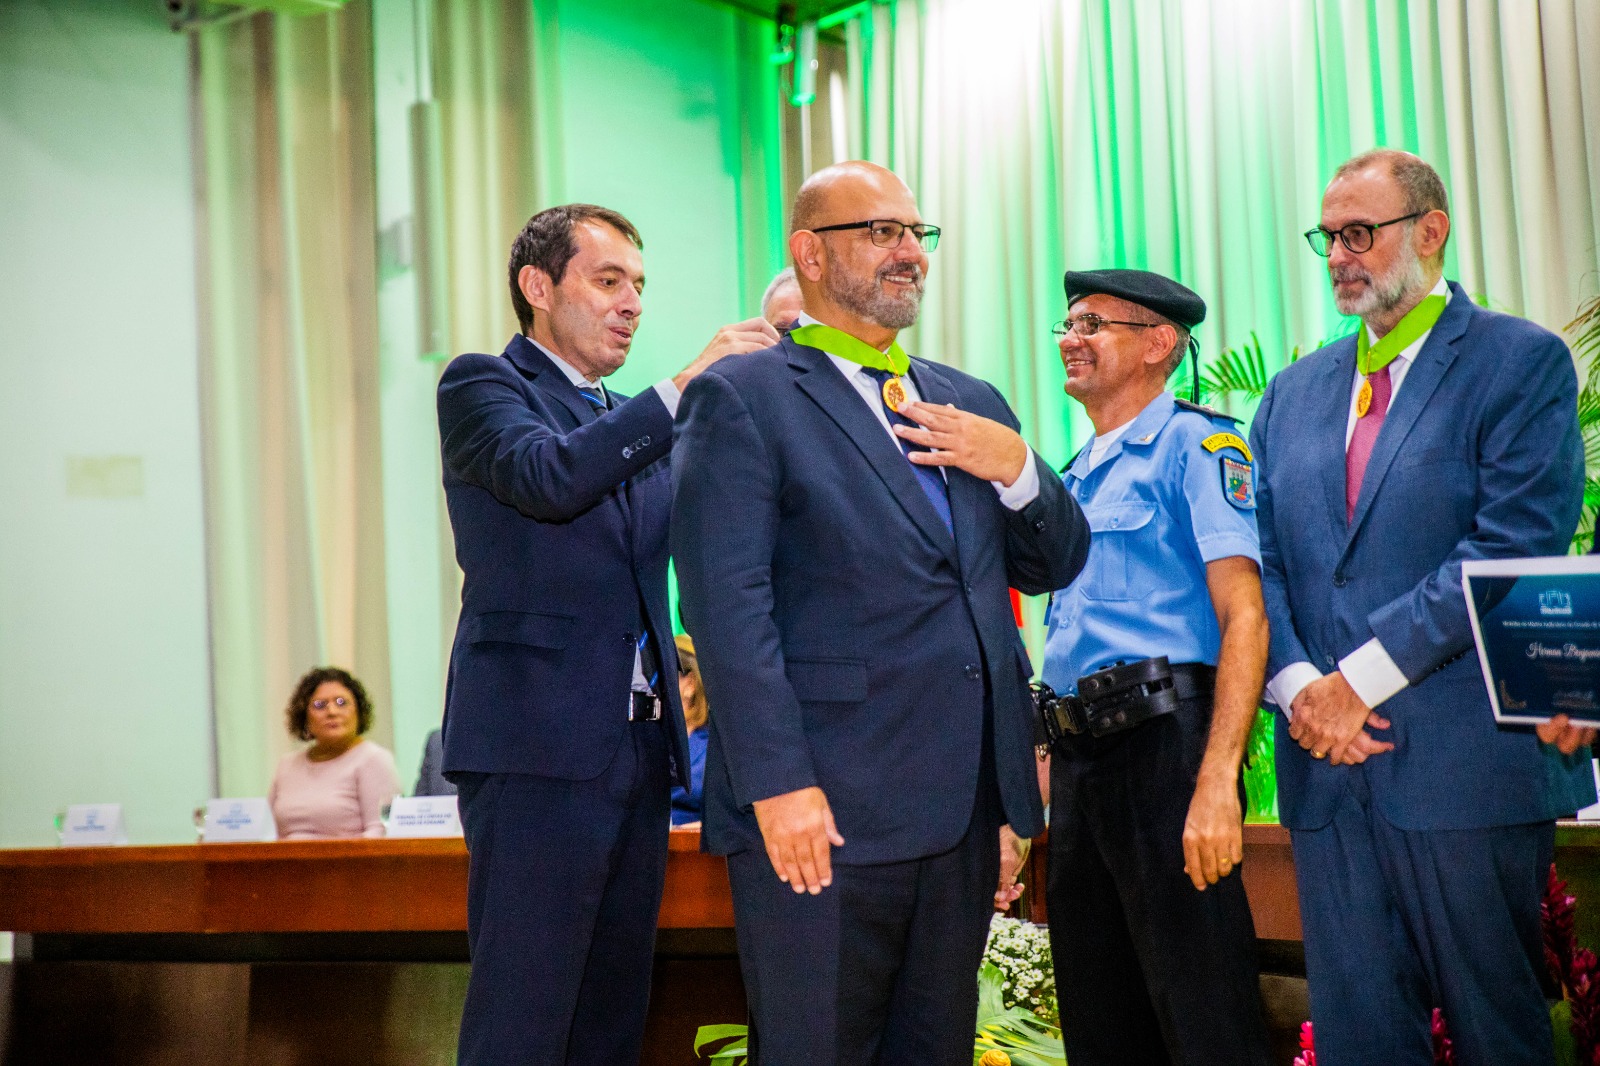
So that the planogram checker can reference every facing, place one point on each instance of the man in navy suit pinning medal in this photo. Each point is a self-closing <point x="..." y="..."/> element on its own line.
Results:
<point x="1422" y="830"/>
<point x="847" y="587"/>
<point x="1157" y="652"/>
<point x="562" y="713"/>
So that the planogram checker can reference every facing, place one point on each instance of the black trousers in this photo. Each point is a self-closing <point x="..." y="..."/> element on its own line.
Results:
<point x="564" y="887"/>
<point x="1149" y="971"/>
<point x="880" y="969"/>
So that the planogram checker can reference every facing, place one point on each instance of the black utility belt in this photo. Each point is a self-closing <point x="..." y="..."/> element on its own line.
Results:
<point x="1121" y="697"/>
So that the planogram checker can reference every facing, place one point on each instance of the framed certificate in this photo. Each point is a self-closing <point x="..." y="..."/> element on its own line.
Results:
<point x="1537" y="626"/>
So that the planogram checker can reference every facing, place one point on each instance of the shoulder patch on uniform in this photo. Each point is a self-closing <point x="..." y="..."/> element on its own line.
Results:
<point x="1202" y="409"/>
<point x="1238" y="483"/>
<point x="1218" y="441"/>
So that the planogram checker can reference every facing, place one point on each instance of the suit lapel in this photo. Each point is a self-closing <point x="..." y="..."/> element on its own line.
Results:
<point x="549" y="380"/>
<point x="1334" y="419"/>
<point x="1421" y="381"/>
<point x="839" y="400"/>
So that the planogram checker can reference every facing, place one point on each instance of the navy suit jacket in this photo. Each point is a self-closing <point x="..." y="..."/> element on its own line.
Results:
<point x="563" y="565"/>
<point x="843" y="635"/>
<point x="1478" y="458"/>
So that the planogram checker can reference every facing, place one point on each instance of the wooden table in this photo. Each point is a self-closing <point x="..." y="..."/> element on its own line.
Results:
<point x="260" y="902"/>
<point x="321" y="951"/>
<point x="352" y="951"/>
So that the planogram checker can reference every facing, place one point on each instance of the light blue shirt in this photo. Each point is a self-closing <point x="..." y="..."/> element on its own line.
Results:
<point x="1168" y="497"/>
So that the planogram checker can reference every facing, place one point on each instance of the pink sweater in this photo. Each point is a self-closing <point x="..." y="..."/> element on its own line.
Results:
<point x="342" y="797"/>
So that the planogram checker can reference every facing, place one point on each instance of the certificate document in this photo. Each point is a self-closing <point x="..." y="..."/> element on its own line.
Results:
<point x="1537" y="627"/>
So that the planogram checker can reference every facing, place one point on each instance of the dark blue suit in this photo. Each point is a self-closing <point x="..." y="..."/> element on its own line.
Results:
<point x="560" y="520"/>
<point x="848" y="641"/>
<point x="1421" y="870"/>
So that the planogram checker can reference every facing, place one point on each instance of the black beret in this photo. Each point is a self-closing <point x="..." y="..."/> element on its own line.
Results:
<point x="1162" y="295"/>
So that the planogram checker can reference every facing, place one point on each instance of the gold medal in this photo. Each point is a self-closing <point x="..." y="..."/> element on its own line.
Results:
<point x="1364" y="398"/>
<point x="894" y="394"/>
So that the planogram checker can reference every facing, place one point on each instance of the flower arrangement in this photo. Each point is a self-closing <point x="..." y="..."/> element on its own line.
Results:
<point x="1021" y="952"/>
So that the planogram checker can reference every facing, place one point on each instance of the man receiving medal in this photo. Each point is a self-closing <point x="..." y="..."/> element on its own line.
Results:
<point x="846" y="522"/>
<point x="1423" y="831"/>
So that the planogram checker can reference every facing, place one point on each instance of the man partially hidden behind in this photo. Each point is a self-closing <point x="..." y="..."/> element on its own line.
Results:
<point x="1422" y="831"/>
<point x="780" y="306"/>
<point x="847" y="588"/>
<point x="562" y="705"/>
<point x="1163" y="640"/>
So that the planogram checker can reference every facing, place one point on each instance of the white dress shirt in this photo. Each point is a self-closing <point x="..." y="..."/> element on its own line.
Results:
<point x="1371" y="673"/>
<point x="1016" y="496"/>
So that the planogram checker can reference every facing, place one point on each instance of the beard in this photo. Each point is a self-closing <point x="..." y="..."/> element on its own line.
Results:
<point x="869" y="299"/>
<point x="1384" y="292"/>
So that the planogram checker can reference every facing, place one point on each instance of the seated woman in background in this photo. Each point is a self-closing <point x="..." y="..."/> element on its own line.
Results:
<point x="338" y="786"/>
<point x="696" y="713"/>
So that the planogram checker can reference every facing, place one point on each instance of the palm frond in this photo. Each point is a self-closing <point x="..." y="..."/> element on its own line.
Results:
<point x="1240" y="371"/>
<point x="1027" y="1039"/>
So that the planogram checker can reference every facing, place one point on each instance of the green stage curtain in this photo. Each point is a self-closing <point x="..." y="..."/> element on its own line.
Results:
<point x="289" y="386"/>
<point x="1194" y="137"/>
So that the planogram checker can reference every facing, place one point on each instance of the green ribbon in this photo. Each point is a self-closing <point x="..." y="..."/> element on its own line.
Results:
<point x="1419" y="320"/>
<point x="838" y="342"/>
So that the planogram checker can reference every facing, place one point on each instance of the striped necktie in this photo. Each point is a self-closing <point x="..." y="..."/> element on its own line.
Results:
<point x="929" y="477"/>
<point x="595" y="397"/>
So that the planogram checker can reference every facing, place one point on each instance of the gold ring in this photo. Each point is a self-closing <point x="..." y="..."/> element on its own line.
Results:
<point x="1319" y="755"/>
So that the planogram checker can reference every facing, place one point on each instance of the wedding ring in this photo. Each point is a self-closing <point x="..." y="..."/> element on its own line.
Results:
<point x="1319" y="755"/>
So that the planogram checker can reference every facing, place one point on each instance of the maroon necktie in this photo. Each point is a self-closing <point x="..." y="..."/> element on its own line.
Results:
<point x="1362" y="440"/>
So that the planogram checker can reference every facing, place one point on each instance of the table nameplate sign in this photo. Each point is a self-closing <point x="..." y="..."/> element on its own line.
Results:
<point x="424" y="816"/>
<point x="1536" y="623"/>
<point x="93" y="825"/>
<point x="239" y="821"/>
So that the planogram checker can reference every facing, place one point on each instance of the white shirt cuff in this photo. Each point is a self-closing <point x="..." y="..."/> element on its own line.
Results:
<point x="1372" y="674"/>
<point x="1022" y="491"/>
<point x="1288" y="683"/>
<point x="669" y="395"/>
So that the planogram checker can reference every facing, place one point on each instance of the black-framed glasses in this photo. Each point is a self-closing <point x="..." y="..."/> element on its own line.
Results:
<point x="1089" y="325"/>
<point x="886" y="232"/>
<point x="1357" y="236"/>
<point x="322" y="704"/>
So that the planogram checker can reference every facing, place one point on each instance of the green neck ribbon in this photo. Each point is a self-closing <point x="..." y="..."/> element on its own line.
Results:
<point x="838" y="342"/>
<point x="1419" y="320"/>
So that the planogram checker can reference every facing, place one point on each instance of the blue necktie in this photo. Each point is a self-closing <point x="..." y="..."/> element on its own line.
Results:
<point x="595" y="397"/>
<point x="929" y="477"/>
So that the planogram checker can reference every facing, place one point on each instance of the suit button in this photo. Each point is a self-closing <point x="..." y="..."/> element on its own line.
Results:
<point x="968" y="587"/>
<point x="974" y="672"/>
<point x="629" y="637"/>
<point x="1340" y="581"/>
<point x="1329" y="660"/>
<point x="1038" y="527"/>
<point x="644" y="441"/>
<point x="627" y="453"/>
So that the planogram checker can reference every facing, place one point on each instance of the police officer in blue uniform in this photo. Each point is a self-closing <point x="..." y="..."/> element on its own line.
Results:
<point x="1154" y="663"/>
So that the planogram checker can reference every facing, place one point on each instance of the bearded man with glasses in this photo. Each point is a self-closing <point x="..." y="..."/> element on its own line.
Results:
<point x="845" y="523"/>
<point x="1423" y="832"/>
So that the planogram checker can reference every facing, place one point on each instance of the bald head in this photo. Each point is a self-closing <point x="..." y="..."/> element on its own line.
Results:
<point x="831" y="194"/>
<point x="866" y="280"/>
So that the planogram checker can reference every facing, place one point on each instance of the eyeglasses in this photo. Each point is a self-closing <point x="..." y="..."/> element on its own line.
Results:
<point x="1089" y="325"/>
<point x="1357" y="236"/>
<point x="322" y="705"/>
<point x="886" y="232"/>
